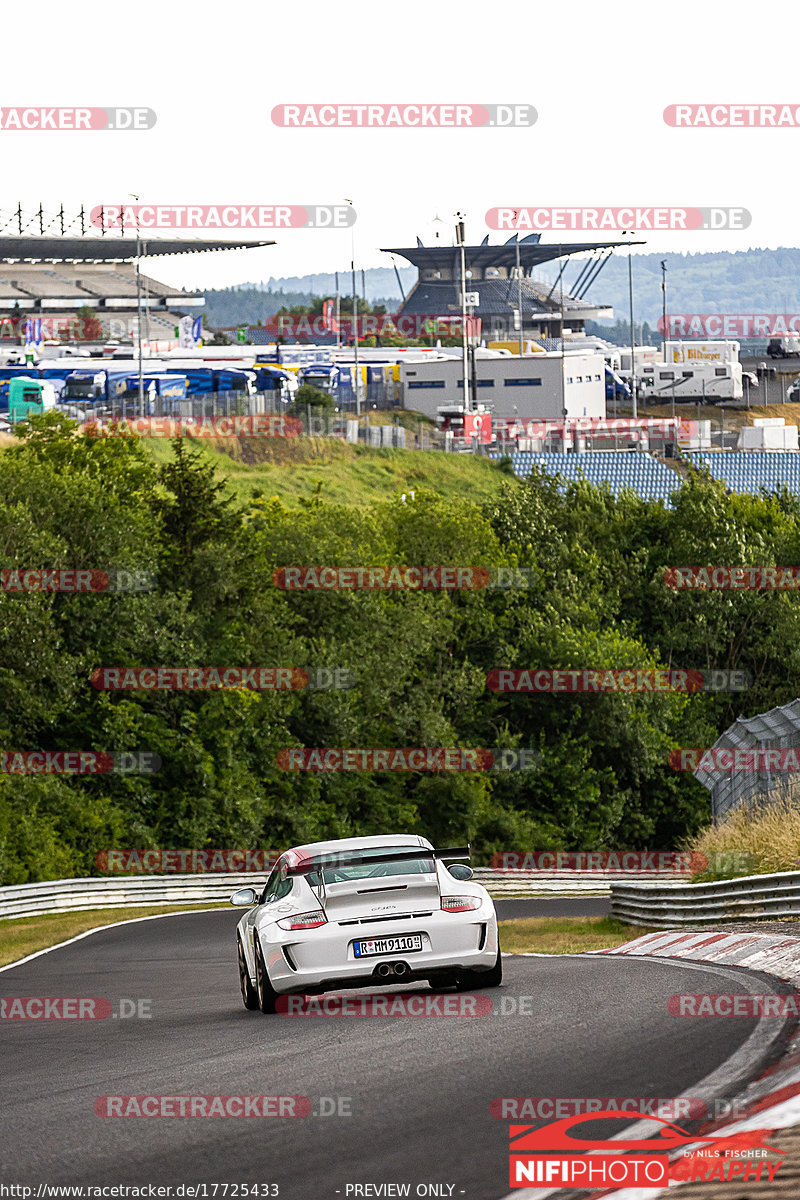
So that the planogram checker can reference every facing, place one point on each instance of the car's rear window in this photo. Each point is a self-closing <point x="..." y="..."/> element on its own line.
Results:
<point x="334" y="871"/>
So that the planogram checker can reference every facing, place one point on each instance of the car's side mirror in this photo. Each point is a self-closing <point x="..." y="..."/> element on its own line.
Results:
<point x="460" y="871"/>
<point x="244" y="898"/>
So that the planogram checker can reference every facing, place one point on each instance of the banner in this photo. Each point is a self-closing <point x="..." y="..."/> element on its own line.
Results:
<point x="186" y="333"/>
<point x="329" y="316"/>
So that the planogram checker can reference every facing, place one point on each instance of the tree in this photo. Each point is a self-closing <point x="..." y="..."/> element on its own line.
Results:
<point x="307" y="395"/>
<point x="91" y="328"/>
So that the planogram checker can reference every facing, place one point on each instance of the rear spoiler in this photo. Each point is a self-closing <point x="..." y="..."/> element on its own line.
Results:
<point x="304" y="865"/>
<point x="453" y="853"/>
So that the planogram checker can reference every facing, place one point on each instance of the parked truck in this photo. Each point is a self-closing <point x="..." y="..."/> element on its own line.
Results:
<point x="27" y="395"/>
<point x="337" y="381"/>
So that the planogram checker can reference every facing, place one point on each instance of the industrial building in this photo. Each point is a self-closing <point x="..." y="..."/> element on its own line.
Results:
<point x="543" y="386"/>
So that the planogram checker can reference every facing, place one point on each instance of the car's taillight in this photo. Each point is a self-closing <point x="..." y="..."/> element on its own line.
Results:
<point x="460" y="903"/>
<point x="309" y="920"/>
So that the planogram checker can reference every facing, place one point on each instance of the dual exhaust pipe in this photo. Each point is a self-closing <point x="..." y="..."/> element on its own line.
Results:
<point x="398" y="969"/>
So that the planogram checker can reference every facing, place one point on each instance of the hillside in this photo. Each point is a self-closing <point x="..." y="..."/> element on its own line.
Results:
<point x="337" y="471"/>
<point x="751" y="281"/>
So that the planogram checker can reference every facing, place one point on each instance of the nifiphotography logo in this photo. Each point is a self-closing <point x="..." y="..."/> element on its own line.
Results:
<point x="549" y="1155"/>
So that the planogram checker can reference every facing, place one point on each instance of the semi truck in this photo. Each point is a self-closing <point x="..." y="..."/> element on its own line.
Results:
<point x="201" y="381"/>
<point x="337" y="381"/>
<point x="27" y="395"/>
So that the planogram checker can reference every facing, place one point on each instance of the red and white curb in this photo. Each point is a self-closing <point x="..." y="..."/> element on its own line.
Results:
<point x="773" y="1100"/>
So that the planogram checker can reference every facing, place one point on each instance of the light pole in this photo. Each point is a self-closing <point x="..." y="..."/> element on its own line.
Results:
<point x="139" y="308"/>
<point x="664" y="309"/>
<point x="633" y="336"/>
<point x="355" y="314"/>
<point x="465" y="356"/>
<point x="519" y="296"/>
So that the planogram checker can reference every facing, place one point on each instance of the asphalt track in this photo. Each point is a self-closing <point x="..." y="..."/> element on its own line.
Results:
<point x="419" y="1088"/>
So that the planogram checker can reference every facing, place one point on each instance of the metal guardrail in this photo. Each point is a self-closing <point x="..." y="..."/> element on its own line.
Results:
<point x="138" y="891"/>
<point x="751" y="897"/>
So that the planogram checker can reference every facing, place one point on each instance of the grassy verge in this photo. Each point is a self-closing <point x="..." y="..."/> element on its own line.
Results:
<point x="565" y="935"/>
<point x="339" y="472"/>
<point x="26" y="935"/>
<point x="764" y="841"/>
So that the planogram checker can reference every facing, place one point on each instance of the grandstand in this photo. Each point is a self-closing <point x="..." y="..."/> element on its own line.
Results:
<point x="632" y="469"/>
<point x="748" y="471"/>
<point x="491" y="278"/>
<point x="52" y="278"/>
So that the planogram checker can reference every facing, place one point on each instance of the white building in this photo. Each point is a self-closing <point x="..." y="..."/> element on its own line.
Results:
<point x="536" y="386"/>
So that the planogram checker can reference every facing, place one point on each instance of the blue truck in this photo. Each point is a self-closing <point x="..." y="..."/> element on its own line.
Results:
<point x="201" y="381"/>
<point x="119" y="390"/>
<point x="337" y="381"/>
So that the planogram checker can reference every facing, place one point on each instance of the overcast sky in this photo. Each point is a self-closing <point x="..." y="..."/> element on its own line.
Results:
<point x="599" y="76"/>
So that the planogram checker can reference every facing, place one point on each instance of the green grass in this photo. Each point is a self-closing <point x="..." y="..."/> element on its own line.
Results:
<point x="340" y="472"/>
<point x="25" y="935"/>
<point x="565" y="935"/>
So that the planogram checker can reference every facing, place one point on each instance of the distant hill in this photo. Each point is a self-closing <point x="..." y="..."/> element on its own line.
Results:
<point x="749" y="281"/>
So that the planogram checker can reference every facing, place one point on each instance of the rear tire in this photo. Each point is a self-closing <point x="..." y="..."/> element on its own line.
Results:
<point x="267" y="996"/>
<point x="249" y="993"/>
<point x="475" y="981"/>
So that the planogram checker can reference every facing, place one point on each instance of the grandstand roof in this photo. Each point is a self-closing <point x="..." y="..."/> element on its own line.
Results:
<point x="531" y="252"/>
<point x="109" y="249"/>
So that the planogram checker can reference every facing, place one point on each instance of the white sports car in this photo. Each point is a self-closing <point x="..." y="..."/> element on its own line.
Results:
<point x="366" y="911"/>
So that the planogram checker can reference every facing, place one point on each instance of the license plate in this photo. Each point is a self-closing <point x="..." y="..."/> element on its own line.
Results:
<point x="388" y="945"/>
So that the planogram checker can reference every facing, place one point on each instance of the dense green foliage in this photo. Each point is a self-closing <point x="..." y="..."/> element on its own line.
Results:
<point x="419" y="658"/>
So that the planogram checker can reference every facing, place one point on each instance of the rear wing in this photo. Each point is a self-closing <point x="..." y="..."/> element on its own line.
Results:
<point x="305" y="864"/>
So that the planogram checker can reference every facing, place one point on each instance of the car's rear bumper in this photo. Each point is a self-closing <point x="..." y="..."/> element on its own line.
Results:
<point x="324" y="958"/>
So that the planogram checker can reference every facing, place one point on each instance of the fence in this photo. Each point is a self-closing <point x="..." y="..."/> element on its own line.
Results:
<point x="73" y="895"/>
<point x="753" y="897"/>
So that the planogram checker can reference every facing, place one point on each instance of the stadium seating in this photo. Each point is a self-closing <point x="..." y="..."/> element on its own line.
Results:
<point x="633" y="469"/>
<point x="747" y="471"/>
<point x="44" y="283"/>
